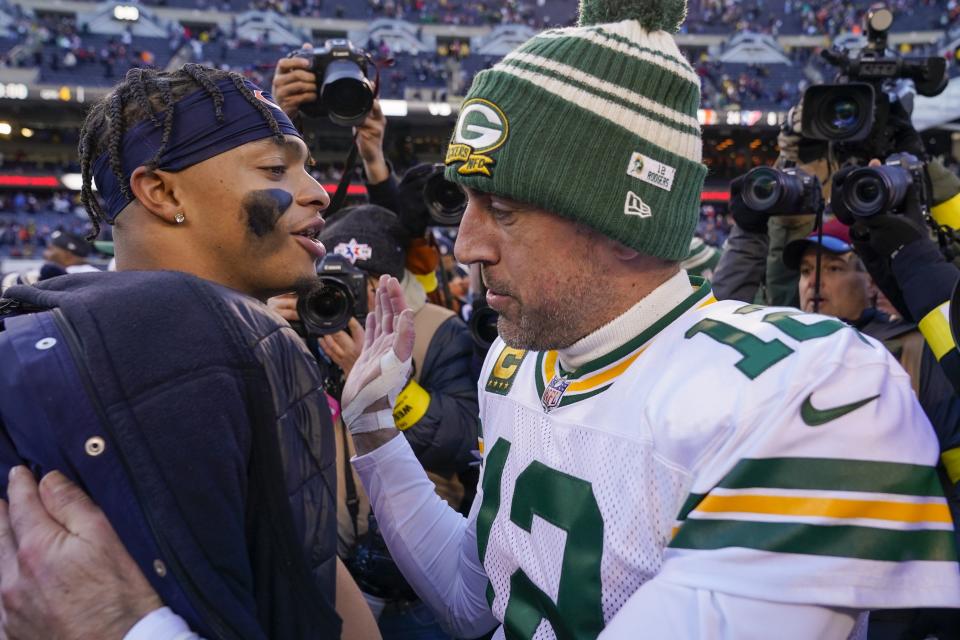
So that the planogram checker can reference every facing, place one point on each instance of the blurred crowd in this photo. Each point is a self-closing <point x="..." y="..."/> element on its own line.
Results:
<point x="826" y="17"/>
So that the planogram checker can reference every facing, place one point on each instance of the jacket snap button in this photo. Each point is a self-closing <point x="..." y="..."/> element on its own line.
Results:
<point x="160" y="568"/>
<point x="95" y="446"/>
<point x="45" y="343"/>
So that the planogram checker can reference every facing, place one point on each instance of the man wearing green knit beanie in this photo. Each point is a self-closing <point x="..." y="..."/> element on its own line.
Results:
<point x="655" y="464"/>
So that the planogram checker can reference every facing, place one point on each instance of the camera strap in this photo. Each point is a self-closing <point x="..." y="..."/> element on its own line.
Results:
<point x="819" y="254"/>
<point x="341" y="194"/>
<point x="342" y="188"/>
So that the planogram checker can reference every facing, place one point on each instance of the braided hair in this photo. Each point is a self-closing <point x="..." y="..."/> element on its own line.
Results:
<point x="147" y="94"/>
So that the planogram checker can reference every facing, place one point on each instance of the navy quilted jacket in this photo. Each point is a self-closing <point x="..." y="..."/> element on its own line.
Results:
<point x="195" y="418"/>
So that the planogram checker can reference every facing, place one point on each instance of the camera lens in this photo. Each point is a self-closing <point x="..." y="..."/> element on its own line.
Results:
<point x="483" y="326"/>
<point x="845" y="113"/>
<point x="445" y="200"/>
<point x="868" y="191"/>
<point x="762" y="189"/>
<point x="328" y="309"/>
<point x="865" y="193"/>
<point x="346" y="93"/>
<point x="873" y="190"/>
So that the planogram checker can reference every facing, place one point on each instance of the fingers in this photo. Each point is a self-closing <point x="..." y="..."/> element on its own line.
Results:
<point x="292" y="88"/>
<point x="285" y="65"/>
<point x="397" y="302"/>
<point x="371" y="330"/>
<point x="68" y="504"/>
<point x="357" y="334"/>
<point x="334" y="346"/>
<point x="403" y="346"/>
<point x="286" y="306"/>
<point x="8" y="545"/>
<point x="27" y="512"/>
<point x="386" y="303"/>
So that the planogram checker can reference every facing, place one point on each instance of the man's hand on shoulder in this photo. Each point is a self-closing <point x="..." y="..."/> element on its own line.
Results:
<point x="63" y="571"/>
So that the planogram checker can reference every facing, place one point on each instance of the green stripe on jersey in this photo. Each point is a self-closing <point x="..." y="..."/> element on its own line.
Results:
<point x="865" y="543"/>
<point x="834" y="474"/>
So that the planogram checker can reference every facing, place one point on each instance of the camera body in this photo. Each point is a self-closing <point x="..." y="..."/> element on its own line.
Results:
<point x="897" y="187"/>
<point x="345" y="93"/>
<point x="780" y="191"/>
<point x="341" y="296"/>
<point x="855" y="113"/>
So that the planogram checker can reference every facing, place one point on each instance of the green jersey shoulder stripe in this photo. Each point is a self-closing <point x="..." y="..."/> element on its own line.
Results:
<point x="834" y="474"/>
<point x="865" y="543"/>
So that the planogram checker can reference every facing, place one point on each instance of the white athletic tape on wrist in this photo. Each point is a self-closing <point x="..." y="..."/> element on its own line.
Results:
<point x="375" y="421"/>
<point x="390" y="382"/>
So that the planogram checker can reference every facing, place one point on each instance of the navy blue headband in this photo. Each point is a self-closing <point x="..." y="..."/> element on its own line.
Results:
<point x="196" y="137"/>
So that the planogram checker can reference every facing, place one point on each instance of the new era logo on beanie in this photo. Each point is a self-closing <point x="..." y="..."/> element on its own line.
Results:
<point x="597" y="123"/>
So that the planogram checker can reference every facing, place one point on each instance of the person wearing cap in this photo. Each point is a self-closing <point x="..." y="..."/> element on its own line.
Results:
<point x="65" y="253"/>
<point x="436" y="411"/>
<point x="68" y="251"/>
<point x="653" y="459"/>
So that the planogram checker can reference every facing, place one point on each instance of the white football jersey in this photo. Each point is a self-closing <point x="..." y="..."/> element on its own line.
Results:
<point x="759" y="452"/>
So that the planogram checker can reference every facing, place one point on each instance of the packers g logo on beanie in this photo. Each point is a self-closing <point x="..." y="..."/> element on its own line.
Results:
<point x="481" y="128"/>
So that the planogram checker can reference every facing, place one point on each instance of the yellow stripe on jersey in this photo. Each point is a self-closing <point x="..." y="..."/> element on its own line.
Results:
<point x="841" y="508"/>
<point x="592" y="381"/>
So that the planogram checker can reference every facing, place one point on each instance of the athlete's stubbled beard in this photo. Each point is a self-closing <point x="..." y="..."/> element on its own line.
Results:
<point x="307" y="286"/>
<point x="544" y="325"/>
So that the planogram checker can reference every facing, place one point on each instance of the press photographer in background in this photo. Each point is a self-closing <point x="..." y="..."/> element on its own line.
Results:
<point x="437" y="410"/>
<point x="855" y="139"/>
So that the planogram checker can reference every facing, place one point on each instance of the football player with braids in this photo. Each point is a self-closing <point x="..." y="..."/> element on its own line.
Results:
<point x="204" y="433"/>
<point x="655" y="463"/>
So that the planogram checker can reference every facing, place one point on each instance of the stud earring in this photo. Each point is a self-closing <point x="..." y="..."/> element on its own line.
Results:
<point x="179" y="218"/>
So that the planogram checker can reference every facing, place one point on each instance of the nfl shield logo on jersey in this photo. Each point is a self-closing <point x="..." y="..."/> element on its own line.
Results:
<point x="553" y="394"/>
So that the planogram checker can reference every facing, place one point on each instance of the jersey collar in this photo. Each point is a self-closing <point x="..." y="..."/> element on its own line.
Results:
<point x="598" y="375"/>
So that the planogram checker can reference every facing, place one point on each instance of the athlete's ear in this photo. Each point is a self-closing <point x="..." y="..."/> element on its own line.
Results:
<point x="619" y="250"/>
<point x="155" y="191"/>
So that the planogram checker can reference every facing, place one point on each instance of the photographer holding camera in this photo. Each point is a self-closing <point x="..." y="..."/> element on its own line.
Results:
<point x="437" y="409"/>
<point x="837" y="137"/>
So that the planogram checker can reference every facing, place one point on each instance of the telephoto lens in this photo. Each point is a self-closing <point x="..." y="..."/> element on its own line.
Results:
<point x="346" y="93"/>
<point x="446" y="201"/>
<point x="780" y="192"/>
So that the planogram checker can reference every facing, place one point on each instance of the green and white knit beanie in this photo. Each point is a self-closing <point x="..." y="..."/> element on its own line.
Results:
<point x="597" y="123"/>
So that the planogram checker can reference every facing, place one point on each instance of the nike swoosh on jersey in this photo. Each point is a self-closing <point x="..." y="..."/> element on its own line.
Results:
<point x="814" y="417"/>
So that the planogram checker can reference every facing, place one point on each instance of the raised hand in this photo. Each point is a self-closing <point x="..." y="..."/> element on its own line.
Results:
<point x="383" y="367"/>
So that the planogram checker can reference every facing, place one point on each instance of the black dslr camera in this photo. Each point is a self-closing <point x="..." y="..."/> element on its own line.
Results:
<point x="859" y="114"/>
<point x="341" y="296"/>
<point x="446" y="201"/>
<point x="345" y="93"/>
<point x="897" y="187"/>
<point x="779" y="191"/>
